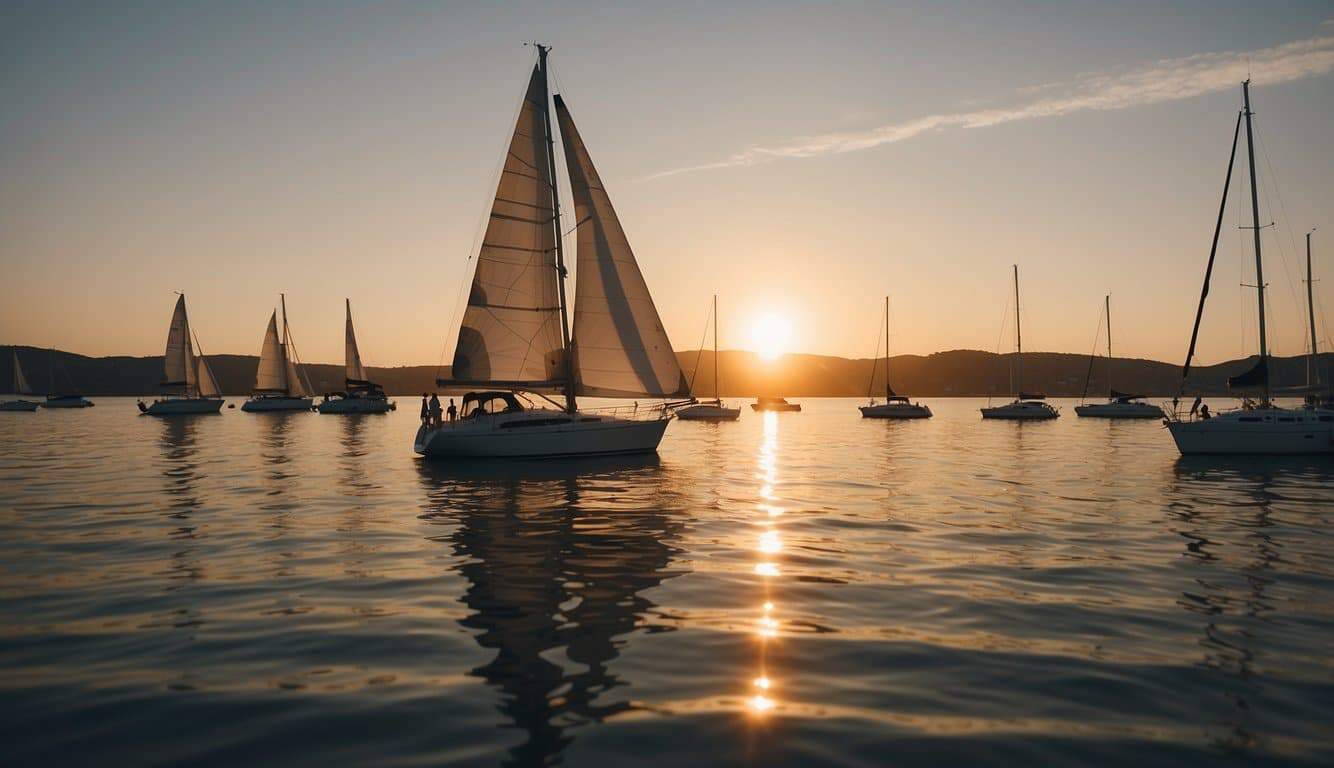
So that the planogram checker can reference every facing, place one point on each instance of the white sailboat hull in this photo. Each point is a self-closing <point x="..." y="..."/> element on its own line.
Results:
<point x="1021" y="411"/>
<point x="1272" y="431"/>
<point x="540" y="434"/>
<point x="19" y="405"/>
<point x="67" y="401"/>
<point x="183" y="406"/>
<point x="265" y="404"/>
<point x="895" y="411"/>
<point x="1114" y="410"/>
<point x="709" y="412"/>
<point x="355" y="405"/>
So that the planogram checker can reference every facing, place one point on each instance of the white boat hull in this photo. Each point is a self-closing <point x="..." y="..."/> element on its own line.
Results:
<point x="1120" y="411"/>
<point x="355" y="405"/>
<point x="709" y="412"/>
<point x="19" y="405"/>
<point x="265" y="404"/>
<point x="539" y="433"/>
<point x="182" y="406"/>
<point x="71" y="401"/>
<point x="895" y="411"/>
<point x="1273" y="431"/>
<point x="1021" y="411"/>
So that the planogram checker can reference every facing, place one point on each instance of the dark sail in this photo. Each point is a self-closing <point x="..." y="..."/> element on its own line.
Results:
<point x="1255" y="377"/>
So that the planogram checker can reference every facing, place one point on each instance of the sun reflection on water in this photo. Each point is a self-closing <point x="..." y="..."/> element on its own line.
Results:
<point x="770" y="545"/>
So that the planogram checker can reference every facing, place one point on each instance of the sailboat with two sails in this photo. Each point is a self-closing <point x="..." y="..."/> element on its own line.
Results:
<point x="360" y="394"/>
<point x="280" y="383"/>
<point x="183" y="369"/>
<point x="896" y="406"/>
<point x="1025" y="407"/>
<point x="20" y="387"/>
<point x="1257" y="427"/>
<point x="715" y="409"/>
<point x="515" y="342"/>
<point x="1119" y="405"/>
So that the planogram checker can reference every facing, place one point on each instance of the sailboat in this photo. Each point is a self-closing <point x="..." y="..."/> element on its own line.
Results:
<point x="1257" y="427"/>
<point x="54" y="399"/>
<point x="1025" y="406"/>
<point x="20" y="388"/>
<point x="1119" y="405"/>
<point x="280" y="384"/>
<point x="715" y="409"/>
<point x="182" y="368"/>
<point x="896" y="406"/>
<point x="360" y="394"/>
<point x="514" y="340"/>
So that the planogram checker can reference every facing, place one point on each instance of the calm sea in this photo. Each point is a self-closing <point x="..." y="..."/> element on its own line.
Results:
<point x="799" y="589"/>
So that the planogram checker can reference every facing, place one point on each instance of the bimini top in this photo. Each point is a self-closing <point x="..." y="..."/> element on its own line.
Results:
<point x="1031" y="396"/>
<point x="1122" y="397"/>
<point x="479" y="401"/>
<point x="770" y="400"/>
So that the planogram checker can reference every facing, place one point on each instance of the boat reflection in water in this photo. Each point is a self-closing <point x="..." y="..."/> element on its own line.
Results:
<point x="558" y="558"/>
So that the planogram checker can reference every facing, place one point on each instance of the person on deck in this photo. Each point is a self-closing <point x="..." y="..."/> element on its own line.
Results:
<point x="435" y="410"/>
<point x="426" y="411"/>
<point x="452" y="411"/>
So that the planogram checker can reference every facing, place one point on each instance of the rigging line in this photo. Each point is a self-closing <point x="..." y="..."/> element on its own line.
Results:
<point x="700" y="352"/>
<point x="870" y="388"/>
<point x="1289" y="270"/>
<point x="1097" y="334"/>
<point x="1005" y="317"/>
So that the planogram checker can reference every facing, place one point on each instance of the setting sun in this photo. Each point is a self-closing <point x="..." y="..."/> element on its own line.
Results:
<point x="770" y="335"/>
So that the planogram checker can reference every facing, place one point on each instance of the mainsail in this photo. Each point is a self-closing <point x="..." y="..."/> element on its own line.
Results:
<point x="511" y="333"/>
<point x="356" y="373"/>
<point x="20" y="382"/>
<point x="179" y="360"/>
<point x="271" y="376"/>
<point x="620" y="347"/>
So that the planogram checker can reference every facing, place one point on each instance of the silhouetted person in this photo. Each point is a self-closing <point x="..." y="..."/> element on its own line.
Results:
<point x="1204" y="411"/>
<point x="435" y="410"/>
<point x="426" y="411"/>
<point x="452" y="411"/>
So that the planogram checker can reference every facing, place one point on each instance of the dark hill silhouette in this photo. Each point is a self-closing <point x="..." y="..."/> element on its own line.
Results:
<point x="954" y="373"/>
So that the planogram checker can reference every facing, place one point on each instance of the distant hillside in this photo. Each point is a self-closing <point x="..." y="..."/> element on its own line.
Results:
<point x="954" y="373"/>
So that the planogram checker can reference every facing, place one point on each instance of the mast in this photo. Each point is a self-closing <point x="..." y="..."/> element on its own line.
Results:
<point x="286" y="343"/>
<point x="716" y="394"/>
<point x="561" y="272"/>
<point x="1312" y="372"/>
<point x="1018" y="338"/>
<point x="1107" y="306"/>
<point x="888" y="390"/>
<point x="1255" y="222"/>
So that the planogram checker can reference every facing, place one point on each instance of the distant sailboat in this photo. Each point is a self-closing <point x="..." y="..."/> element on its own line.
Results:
<point x="1119" y="405"/>
<point x="715" y="409"/>
<point x="20" y="388"/>
<point x="280" y="384"/>
<point x="360" y="394"/>
<point x="1256" y="427"/>
<point x="1317" y="395"/>
<point x="896" y="406"/>
<point x="54" y="399"/>
<point x="183" y="369"/>
<point x="514" y="336"/>
<point x="1025" y="406"/>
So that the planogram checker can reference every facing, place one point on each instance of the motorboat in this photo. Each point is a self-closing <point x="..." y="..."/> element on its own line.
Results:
<point x="715" y="409"/>
<point x="1119" y="405"/>
<point x="67" y="401"/>
<point x="198" y="389"/>
<point x="774" y="404"/>
<point x="896" y="406"/>
<point x="360" y="394"/>
<point x="1025" y="407"/>
<point x="515" y="337"/>
<point x="280" y="382"/>
<point x="20" y="387"/>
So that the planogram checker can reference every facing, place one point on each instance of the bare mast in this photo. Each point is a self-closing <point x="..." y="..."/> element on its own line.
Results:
<point x="716" y="394"/>
<point x="1312" y="369"/>
<point x="889" y="391"/>
<point x="561" y="272"/>
<point x="1018" y="338"/>
<point x="1255" y="222"/>
<point x="1107" y="306"/>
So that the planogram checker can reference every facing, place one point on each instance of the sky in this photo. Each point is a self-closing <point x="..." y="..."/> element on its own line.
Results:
<point x="799" y="160"/>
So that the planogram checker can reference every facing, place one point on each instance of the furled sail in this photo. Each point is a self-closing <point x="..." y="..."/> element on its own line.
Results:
<point x="271" y="376"/>
<point x="1255" y="377"/>
<point x="511" y="331"/>
<point x="178" y="360"/>
<point x="620" y="347"/>
<point x="20" y="381"/>
<point x="356" y="373"/>
<point x="208" y="385"/>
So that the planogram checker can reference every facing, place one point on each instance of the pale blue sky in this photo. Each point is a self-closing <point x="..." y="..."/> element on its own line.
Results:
<point x="237" y="150"/>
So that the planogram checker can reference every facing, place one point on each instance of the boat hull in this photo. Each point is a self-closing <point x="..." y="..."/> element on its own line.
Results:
<point x="352" y="405"/>
<point x="537" y="434"/>
<point x="789" y="408"/>
<point x="895" y="411"/>
<point x="708" y="412"/>
<point x="67" y="401"/>
<point x="1119" y="411"/>
<point x="26" y="406"/>
<point x="266" y="404"/>
<point x="1021" y="411"/>
<point x="1274" y="432"/>
<point x="182" y="406"/>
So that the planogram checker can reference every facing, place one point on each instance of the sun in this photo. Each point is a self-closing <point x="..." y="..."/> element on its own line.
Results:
<point x="770" y="335"/>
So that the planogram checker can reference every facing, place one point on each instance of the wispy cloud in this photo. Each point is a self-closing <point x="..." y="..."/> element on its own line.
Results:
<point x="1161" y="81"/>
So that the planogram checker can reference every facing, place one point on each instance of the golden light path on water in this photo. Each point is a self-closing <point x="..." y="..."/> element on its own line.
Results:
<point x="770" y="544"/>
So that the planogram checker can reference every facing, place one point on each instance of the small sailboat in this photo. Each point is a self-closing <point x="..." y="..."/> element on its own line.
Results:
<point x="515" y="340"/>
<point x="280" y="383"/>
<point x="1025" y="407"/>
<point x="715" y="409"/>
<point x="360" y="394"/>
<point x="1257" y="427"/>
<point x="182" y="368"/>
<point x="896" y="406"/>
<point x="55" y="399"/>
<point x="777" y="404"/>
<point x="20" y="388"/>
<point x="1119" y="405"/>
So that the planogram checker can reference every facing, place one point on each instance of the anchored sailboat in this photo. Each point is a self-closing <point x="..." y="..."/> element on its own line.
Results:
<point x="20" y="388"/>
<point x="183" y="369"/>
<point x="896" y="406"/>
<point x="1025" y="406"/>
<point x="360" y="394"/>
<point x="1256" y="427"/>
<point x="715" y="409"/>
<point x="515" y="338"/>
<point x="57" y="399"/>
<point x="280" y="383"/>
<point x="1119" y="405"/>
